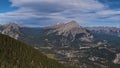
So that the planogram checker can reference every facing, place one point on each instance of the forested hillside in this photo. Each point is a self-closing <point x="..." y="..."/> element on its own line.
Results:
<point x="14" y="54"/>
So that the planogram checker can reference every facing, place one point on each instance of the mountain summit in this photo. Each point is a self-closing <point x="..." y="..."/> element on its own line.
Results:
<point x="70" y="25"/>
<point x="71" y="30"/>
<point x="11" y="29"/>
<point x="65" y="28"/>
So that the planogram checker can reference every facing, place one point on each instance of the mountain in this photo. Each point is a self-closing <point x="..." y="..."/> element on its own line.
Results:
<point x="75" y="45"/>
<point x="71" y="30"/>
<point x="108" y="34"/>
<point x="11" y="29"/>
<point x="52" y="39"/>
<point x="64" y="34"/>
<point x="115" y="31"/>
<point x="14" y="54"/>
<point x="70" y="43"/>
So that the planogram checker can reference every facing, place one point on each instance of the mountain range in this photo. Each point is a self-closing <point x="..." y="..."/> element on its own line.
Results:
<point x="106" y="30"/>
<point x="70" y="43"/>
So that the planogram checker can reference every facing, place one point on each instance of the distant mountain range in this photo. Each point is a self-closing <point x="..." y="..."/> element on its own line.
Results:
<point x="106" y="30"/>
<point x="70" y="43"/>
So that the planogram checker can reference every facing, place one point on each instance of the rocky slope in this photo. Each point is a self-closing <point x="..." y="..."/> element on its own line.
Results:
<point x="72" y="30"/>
<point x="11" y="29"/>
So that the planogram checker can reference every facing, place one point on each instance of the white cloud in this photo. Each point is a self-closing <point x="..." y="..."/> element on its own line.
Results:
<point x="83" y="5"/>
<point x="58" y="10"/>
<point x="108" y="12"/>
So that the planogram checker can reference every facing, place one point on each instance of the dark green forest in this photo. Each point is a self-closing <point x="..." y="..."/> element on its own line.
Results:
<point x="14" y="54"/>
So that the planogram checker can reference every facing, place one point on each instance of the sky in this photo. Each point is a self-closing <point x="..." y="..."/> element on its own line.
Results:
<point x="49" y="12"/>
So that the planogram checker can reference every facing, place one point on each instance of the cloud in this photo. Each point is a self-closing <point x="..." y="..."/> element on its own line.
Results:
<point x="58" y="5"/>
<point x="45" y="12"/>
<point x="108" y="15"/>
<point x="108" y="12"/>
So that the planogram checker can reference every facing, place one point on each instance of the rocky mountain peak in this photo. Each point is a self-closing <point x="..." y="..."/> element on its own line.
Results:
<point x="11" y="29"/>
<point x="71" y="29"/>
<point x="72" y="24"/>
<point x="65" y="27"/>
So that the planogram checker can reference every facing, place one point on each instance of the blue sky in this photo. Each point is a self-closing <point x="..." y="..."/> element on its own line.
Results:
<point x="48" y="12"/>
